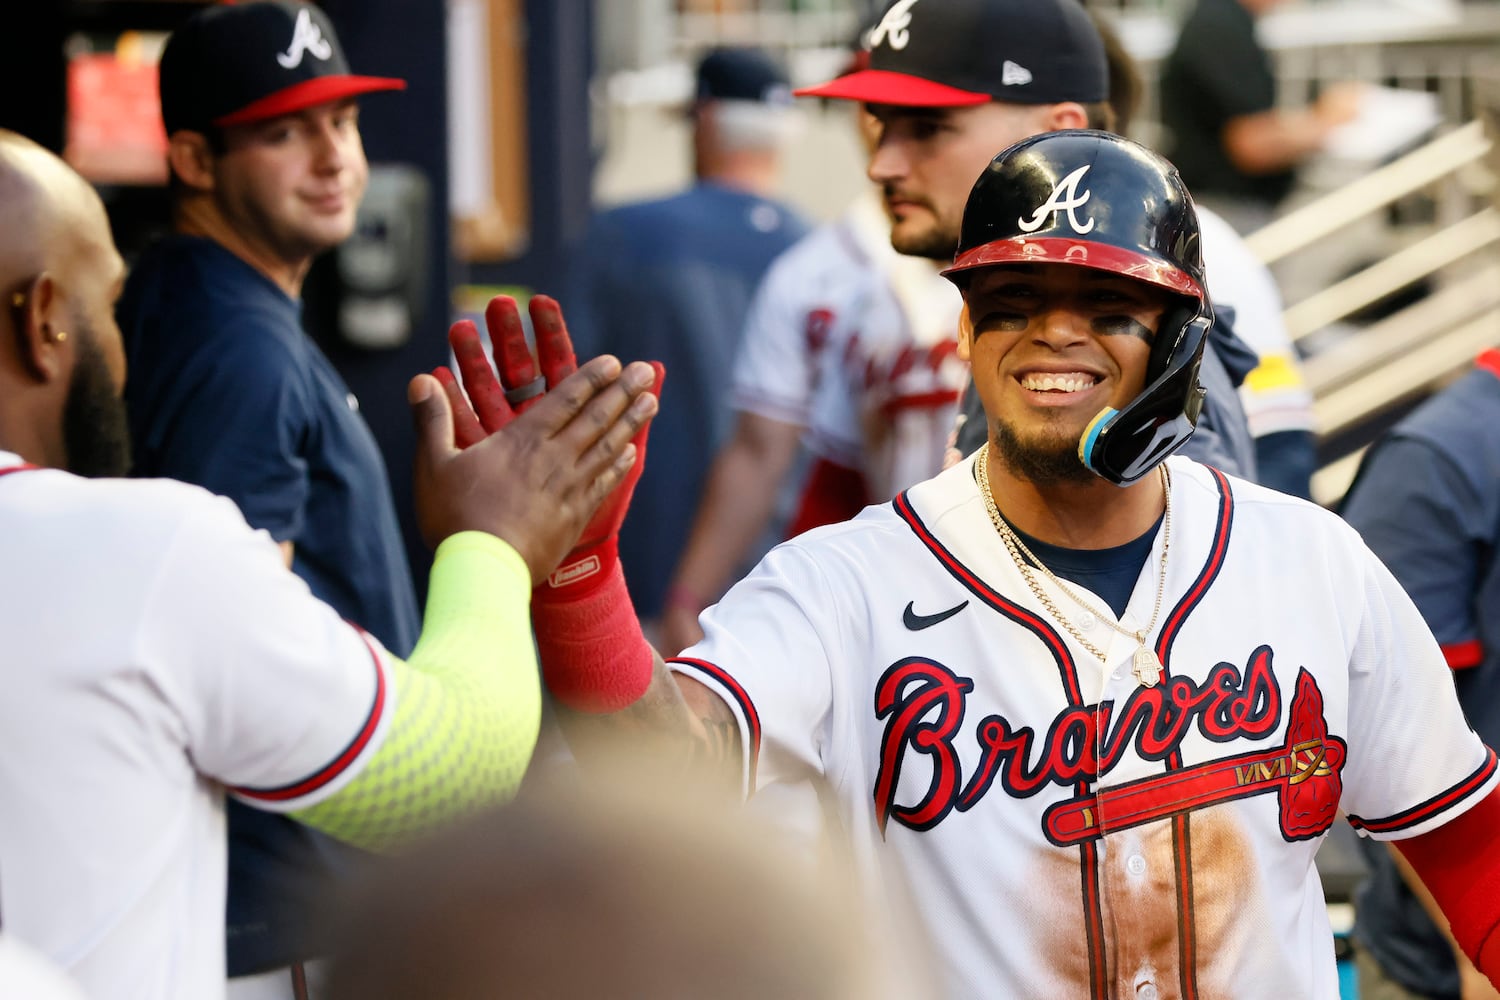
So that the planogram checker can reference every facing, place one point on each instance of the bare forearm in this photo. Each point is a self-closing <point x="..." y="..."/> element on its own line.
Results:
<point x="1274" y="140"/>
<point x="737" y="504"/>
<point x="679" y="720"/>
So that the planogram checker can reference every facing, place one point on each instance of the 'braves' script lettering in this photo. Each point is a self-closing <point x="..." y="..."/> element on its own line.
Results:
<point x="923" y="703"/>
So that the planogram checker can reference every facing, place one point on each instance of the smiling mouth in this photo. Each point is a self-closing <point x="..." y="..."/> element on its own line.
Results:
<point x="1058" y="381"/>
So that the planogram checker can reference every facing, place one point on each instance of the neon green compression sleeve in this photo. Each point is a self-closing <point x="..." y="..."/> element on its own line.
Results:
<point x="468" y="705"/>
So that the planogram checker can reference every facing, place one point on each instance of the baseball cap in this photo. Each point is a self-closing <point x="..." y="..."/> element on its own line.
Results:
<point x="233" y="64"/>
<point x="951" y="53"/>
<point x="738" y="74"/>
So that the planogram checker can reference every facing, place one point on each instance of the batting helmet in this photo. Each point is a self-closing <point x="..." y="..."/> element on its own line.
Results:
<point x="1093" y="199"/>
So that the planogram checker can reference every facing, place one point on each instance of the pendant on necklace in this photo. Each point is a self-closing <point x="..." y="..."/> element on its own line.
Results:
<point x="1147" y="667"/>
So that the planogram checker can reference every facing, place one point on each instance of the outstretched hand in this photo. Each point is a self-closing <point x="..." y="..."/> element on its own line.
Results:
<point x="541" y="474"/>
<point x="498" y="403"/>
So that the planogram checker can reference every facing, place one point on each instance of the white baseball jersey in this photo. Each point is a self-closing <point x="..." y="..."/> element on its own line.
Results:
<point x="157" y="651"/>
<point x="858" y="343"/>
<point x="1275" y="395"/>
<point x="1064" y="830"/>
<point x="25" y="973"/>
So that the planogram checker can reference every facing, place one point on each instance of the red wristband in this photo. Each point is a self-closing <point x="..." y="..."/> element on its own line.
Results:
<point x="594" y="656"/>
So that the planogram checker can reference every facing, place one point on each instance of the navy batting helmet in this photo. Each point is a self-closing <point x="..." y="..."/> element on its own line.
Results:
<point x="1093" y="199"/>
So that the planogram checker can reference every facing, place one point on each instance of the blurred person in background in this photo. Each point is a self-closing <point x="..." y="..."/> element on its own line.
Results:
<point x="1237" y="149"/>
<point x="227" y="391"/>
<point x="1427" y="501"/>
<point x="1277" y="402"/>
<point x="672" y="279"/>
<point x="631" y="883"/>
<point x="853" y="340"/>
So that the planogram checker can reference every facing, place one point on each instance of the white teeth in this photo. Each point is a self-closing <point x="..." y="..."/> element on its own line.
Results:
<point x="1049" y="382"/>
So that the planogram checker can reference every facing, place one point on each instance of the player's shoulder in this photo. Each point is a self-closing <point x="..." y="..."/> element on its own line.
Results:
<point x="1458" y="421"/>
<point x="827" y="252"/>
<point x="1249" y="506"/>
<point x="121" y="514"/>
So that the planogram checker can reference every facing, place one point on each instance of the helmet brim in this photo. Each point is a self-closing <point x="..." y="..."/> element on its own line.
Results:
<point x="1078" y="253"/>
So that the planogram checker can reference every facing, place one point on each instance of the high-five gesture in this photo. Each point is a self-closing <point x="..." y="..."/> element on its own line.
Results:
<point x="519" y="387"/>
<point x="533" y="471"/>
<point x="585" y="598"/>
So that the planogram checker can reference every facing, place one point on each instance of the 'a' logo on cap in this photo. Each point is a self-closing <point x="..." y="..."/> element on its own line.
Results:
<point x="307" y="37"/>
<point x="1064" y="198"/>
<point x="893" y="27"/>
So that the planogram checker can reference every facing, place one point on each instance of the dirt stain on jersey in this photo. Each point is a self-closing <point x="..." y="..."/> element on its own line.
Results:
<point x="1138" y="891"/>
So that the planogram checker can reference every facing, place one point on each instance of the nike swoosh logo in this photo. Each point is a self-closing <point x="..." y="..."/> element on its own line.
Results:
<point x="917" y="622"/>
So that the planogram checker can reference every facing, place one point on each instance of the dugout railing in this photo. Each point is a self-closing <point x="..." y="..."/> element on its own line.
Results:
<point x="1360" y="377"/>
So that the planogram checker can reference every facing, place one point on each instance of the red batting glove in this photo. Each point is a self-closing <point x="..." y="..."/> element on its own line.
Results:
<point x="495" y="403"/>
<point x="594" y="657"/>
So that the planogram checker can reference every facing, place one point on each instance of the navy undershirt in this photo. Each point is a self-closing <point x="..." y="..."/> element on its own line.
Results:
<point x="1111" y="573"/>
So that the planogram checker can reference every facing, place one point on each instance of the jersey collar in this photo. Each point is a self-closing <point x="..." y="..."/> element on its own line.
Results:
<point x="10" y="462"/>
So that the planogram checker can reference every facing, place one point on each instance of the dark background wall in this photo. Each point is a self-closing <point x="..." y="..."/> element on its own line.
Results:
<point x="403" y="38"/>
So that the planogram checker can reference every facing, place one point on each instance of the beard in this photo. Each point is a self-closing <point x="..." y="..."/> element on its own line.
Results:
<point x="936" y="243"/>
<point x="1042" y="461"/>
<point x="932" y="244"/>
<point x="96" y="432"/>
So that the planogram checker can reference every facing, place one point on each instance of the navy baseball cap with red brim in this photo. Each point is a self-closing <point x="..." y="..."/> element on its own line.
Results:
<point x="954" y="53"/>
<point x="233" y="64"/>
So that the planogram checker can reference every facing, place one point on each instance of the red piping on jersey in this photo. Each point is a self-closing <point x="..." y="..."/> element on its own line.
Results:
<point x="1489" y="361"/>
<point x="1463" y="654"/>
<point x="1068" y="670"/>
<point x="23" y="467"/>
<point x="1182" y="854"/>
<point x="747" y="707"/>
<point x="350" y="753"/>
<point x="1426" y="810"/>
<point x="1031" y="622"/>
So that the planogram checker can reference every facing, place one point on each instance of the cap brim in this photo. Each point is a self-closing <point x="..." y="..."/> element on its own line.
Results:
<point x="1079" y="253"/>
<point x="881" y="86"/>
<point x="307" y="94"/>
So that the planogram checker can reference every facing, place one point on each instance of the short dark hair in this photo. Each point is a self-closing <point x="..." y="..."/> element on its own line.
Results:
<point x="1125" y="83"/>
<point x="1102" y="115"/>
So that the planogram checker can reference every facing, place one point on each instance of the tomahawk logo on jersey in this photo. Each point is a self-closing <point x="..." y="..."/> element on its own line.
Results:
<point x="1064" y="830"/>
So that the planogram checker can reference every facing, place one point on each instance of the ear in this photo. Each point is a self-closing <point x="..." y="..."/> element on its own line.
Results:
<point x="43" y="339"/>
<point x="191" y="159"/>
<point x="1068" y="114"/>
<point x="965" y="334"/>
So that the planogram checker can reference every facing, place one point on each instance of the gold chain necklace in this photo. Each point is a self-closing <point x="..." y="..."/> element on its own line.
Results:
<point x="1146" y="665"/>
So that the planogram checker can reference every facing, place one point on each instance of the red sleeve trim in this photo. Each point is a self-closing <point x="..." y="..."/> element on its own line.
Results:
<point x="1463" y="654"/>
<point x="742" y="697"/>
<point x="1438" y="803"/>
<point x="346" y="757"/>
